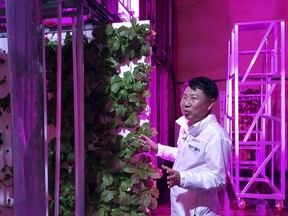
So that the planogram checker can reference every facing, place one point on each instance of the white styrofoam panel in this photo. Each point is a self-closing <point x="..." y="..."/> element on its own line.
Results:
<point x="6" y="193"/>
<point x="3" y="44"/>
<point x="5" y="118"/>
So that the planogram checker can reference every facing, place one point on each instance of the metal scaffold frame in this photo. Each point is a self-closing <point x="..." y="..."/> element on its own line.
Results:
<point x="255" y="111"/>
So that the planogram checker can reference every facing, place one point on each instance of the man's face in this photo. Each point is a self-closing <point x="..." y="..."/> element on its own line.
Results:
<point x="195" y="105"/>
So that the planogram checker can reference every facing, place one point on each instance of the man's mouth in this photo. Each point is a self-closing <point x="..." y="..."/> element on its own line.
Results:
<point x="186" y="112"/>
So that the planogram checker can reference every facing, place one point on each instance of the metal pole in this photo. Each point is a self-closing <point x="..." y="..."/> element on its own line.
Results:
<point x="80" y="147"/>
<point x="46" y="143"/>
<point x="24" y="28"/>
<point x="58" y="108"/>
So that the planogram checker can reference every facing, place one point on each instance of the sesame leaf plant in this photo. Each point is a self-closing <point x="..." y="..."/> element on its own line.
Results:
<point x="120" y="179"/>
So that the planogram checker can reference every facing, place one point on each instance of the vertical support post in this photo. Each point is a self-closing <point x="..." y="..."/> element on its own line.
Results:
<point x="45" y="123"/>
<point x="24" y="28"/>
<point x="283" y="117"/>
<point x="58" y="107"/>
<point x="79" y="139"/>
<point x="236" y="104"/>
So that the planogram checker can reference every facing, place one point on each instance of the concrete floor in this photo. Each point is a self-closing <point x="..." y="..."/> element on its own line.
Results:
<point x="233" y="210"/>
<point x="229" y="204"/>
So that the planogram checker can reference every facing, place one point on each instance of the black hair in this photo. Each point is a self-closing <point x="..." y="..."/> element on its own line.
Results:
<point x="205" y="84"/>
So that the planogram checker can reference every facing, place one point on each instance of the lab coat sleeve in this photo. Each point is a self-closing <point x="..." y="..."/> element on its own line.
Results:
<point x="213" y="175"/>
<point x="167" y="152"/>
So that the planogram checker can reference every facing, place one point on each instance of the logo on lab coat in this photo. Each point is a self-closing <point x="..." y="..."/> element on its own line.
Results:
<point x="193" y="148"/>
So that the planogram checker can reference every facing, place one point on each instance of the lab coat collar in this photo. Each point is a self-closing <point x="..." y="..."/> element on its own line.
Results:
<point x="196" y="128"/>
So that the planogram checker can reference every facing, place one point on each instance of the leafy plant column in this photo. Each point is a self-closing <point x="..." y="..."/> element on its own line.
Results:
<point x="120" y="178"/>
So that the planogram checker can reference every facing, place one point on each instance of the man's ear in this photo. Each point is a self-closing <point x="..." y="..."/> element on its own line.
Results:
<point x="211" y="103"/>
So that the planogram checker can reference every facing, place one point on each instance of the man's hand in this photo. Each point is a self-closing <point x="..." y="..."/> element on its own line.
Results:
<point x="147" y="142"/>
<point x="173" y="177"/>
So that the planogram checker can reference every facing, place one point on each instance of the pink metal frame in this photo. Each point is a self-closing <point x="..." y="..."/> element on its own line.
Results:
<point x="266" y="134"/>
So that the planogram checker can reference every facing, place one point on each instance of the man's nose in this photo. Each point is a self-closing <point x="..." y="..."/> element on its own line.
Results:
<point x="187" y="102"/>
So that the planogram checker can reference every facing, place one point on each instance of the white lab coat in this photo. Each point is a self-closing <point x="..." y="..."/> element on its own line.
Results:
<point x="202" y="159"/>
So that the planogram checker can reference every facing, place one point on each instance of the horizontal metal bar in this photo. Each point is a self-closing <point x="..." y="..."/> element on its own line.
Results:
<point x="260" y="142"/>
<point x="273" y="118"/>
<point x="244" y="52"/>
<point x="259" y="196"/>
<point x="246" y="83"/>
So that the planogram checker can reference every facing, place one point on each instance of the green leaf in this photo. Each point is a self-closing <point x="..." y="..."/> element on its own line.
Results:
<point x="70" y="158"/>
<point x="107" y="179"/>
<point x="153" y="204"/>
<point x="114" y="123"/>
<point x="121" y="110"/>
<point x="115" y="44"/>
<point x="132" y="121"/>
<point x="135" y="200"/>
<point x="143" y="174"/>
<point x="116" y="212"/>
<point x="135" y="178"/>
<point x="121" y="153"/>
<point x="107" y="195"/>
<point x="145" y="50"/>
<point x="128" y="77"/>
<point x="112" y="62"/>
<point x="145" y="129"/>
<point x="134" y="143"/>
<point x="123" y="94"/>
<point x="131" y="54"/>
<point x="137" y="86"/>
<point x="125" y="185"/>
<point x="147" y="93"/>
<point x="138" y="76"/>
<point x="130" y="170"/>
<point x="67" y="213"/>
<point x="131" y="35"/>
<point x="146" y="199"/>
<point x="113" y="107"/>
<point x="100" y="212"/>
<point x="123" y="31"/>
<point x="155" y="174"/>
<point x="100" y="188"/>
<point x="66" y="188"/>
<point x="145" y="29"/>
<point x="109" y="30"/>
<point x="124" y="198"/>
<point x="66" y="147"/>
<point x="128" y="153"/>
<point x="133" y="98"/>
<point x="115" y="79"/>
<point x="115" y="87"/>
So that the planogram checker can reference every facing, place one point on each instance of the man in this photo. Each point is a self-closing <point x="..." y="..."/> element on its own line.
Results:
<point x="202" y="154"/>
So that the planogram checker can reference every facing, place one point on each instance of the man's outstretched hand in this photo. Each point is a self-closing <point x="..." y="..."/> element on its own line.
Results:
<point x="173" y="177"/>
<point x="149" y="143"/>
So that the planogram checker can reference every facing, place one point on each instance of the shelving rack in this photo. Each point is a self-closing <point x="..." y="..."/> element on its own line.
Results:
<point x="255" y="111"/>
